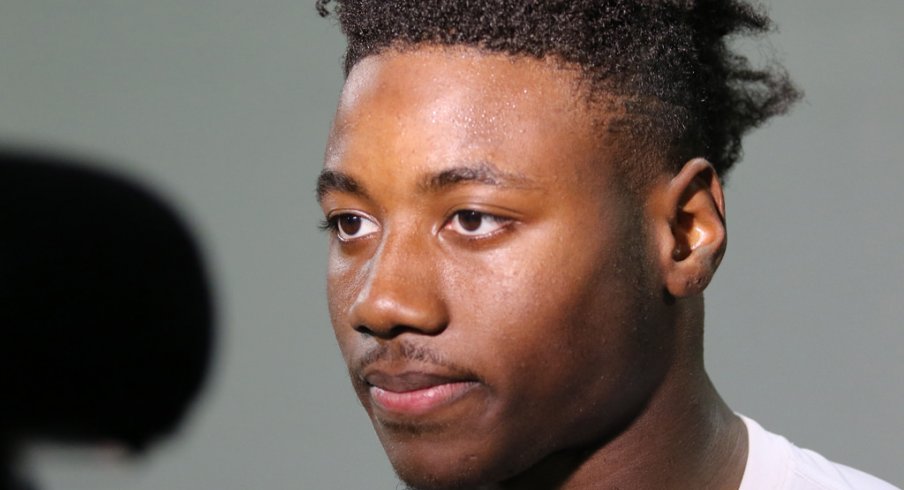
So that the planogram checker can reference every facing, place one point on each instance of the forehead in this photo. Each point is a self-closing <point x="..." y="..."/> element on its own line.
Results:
<point x="461" y="103"/>
<point x="450" y="79"/>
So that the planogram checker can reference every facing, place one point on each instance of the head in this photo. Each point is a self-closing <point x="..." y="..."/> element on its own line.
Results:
<point x="525" y="206"/>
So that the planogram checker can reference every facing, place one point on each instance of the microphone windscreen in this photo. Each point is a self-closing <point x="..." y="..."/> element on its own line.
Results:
<point x="106" y="315"/>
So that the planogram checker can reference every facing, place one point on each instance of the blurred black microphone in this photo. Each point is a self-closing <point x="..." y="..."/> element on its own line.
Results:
<point x="106" y="316"/>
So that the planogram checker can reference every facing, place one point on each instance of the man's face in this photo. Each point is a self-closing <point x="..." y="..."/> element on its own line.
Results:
<point x="488" y="281"/>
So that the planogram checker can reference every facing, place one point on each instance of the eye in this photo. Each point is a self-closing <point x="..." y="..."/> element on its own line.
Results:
<point x="351" y="226"/>
<point x="476" y="224"/>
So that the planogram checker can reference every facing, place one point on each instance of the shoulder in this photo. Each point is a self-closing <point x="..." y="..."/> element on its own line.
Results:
<point x="775" y="463"/>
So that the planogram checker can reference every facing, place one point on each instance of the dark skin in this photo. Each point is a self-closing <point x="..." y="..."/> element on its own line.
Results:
<point x="511" y="315"/>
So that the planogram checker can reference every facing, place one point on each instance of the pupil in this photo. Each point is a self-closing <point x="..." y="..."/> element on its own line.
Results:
<point x="470" y="220"/>
<point x="350" y="224"/>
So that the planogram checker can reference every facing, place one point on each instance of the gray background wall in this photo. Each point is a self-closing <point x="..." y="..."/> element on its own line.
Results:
<point x="225" y="107"/>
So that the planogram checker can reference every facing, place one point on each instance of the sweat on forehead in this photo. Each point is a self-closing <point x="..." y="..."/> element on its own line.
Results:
<point x="690" y="92"/>
<point x="476" y="91"/>
<point x="483" y="101"/>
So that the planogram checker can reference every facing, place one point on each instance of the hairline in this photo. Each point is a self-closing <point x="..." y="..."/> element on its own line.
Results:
<point x="610" y="108"/>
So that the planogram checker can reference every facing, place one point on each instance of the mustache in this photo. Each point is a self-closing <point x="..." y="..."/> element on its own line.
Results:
<point x="405" y="351"/>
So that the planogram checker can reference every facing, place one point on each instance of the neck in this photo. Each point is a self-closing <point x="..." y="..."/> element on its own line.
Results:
<point x="686" y="437"/>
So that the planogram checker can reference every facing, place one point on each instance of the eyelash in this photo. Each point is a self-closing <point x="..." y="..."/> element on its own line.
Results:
<point x="331" y="224"/>
<point x="328" y="225"/>
<point x="457" y="216"/>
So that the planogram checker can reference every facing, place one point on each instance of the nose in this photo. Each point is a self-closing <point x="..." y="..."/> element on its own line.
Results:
<point x="401" y="291"/>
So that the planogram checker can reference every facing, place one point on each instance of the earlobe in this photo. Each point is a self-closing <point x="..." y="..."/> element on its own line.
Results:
<point x="695" y="236"/>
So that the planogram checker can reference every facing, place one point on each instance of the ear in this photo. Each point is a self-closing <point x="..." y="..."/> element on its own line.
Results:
<point x="690" y="228"/>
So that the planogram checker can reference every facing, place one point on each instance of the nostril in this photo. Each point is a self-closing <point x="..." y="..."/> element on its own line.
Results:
<point x="393" y="331"/>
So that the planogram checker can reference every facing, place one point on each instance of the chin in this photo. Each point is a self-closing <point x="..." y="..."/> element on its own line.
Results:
<point x="417" y="480"/>
<point x="449" y="467"/>
<point x="437" y="471"/>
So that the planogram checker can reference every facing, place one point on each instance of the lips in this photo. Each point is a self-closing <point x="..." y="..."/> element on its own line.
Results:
<point x="416" y="393"/>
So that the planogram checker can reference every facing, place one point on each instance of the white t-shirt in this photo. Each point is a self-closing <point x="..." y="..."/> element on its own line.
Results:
<point x="773" y="463"/>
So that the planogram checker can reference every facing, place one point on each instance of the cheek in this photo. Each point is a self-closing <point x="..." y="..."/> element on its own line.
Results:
<point x="344" y="281"/>
<point x="531" y="302"/>
<point x="547" y="315"/>
<point x="538" y="332"/>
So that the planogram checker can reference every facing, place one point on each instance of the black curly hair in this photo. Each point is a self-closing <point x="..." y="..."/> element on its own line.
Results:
<point x="686" y="92"/>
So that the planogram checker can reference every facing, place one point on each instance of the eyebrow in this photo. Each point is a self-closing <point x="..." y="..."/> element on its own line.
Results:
<point x="335" y="181"/>
<point x="481" y="173"/>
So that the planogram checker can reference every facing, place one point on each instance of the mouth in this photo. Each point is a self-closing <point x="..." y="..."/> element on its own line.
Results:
<point x="416" y="393"/>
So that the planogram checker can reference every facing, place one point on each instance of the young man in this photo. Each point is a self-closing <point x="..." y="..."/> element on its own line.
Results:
<point x="525" y="206"/>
